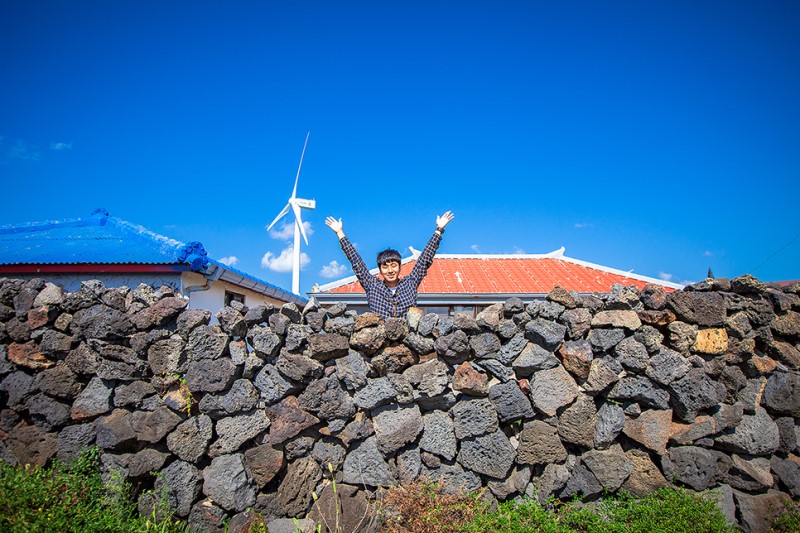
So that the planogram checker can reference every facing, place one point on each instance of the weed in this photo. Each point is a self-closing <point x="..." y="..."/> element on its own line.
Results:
<point x="788" y="519"/>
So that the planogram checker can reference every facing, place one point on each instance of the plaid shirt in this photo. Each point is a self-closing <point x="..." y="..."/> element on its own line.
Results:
<point x="379" y="296"/>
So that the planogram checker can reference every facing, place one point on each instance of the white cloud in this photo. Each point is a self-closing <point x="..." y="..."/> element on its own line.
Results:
<point x="333" y="270"/>
<point x="518" y="250"/>
<point x="230" y="261"/>
<point x="283" y="262"/>
<point x="286" y="231"/>
<point x="581" y="225"/>
<point x="475" y="249"/>
<point x="665" y="276"/>
<point x="708" y="253"/>
<point x="21" y="150"/>
<point x="60" y="146"/>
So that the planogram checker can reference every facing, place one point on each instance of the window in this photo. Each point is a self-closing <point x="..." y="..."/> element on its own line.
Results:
<point x="233" y="297"/>
<point x="469" y="309"/>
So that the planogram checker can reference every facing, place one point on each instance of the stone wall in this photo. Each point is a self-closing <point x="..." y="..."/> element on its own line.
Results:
<point x="574" y="395"/>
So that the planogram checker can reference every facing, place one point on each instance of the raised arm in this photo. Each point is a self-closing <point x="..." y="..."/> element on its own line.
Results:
<point x="425" y="260"/>
<point x="359" y="267"/>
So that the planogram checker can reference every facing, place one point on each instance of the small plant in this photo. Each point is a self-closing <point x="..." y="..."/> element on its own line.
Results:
<point x="183" y="387"/>
<point x="788" y="519"/>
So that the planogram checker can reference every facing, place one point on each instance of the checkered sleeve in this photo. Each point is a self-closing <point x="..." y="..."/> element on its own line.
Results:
<point x="359" y="267"/>
<point x="425" y="260"/>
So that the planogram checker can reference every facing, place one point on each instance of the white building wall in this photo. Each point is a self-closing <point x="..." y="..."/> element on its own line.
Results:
<point x="213" y="299"/>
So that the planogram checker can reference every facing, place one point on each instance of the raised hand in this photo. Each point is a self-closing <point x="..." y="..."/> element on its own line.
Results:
<point x="445" y="219"/>
<point x="335" y="225"/>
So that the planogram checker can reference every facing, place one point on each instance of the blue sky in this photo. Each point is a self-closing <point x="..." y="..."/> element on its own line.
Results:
<point x="657" y="137"/>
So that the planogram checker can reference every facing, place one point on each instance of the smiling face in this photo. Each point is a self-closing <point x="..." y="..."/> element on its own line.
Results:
<point x="390" y="272"/>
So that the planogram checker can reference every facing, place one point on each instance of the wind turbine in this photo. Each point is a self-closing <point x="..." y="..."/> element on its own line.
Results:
<point x="295" y="204"/>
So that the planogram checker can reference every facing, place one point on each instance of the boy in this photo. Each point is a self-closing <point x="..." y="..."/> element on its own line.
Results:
<point x="390" y="295"/>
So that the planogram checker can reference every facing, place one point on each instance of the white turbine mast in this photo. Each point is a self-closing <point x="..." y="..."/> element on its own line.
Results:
<point x="296" y="204"/>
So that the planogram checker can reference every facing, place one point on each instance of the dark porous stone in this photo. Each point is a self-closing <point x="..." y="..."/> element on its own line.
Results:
<point x="693" y="466"/>
<point x="47" y="412"/>
<point x="747" y="284"/>
<point x="534" y="358"/>
<point x="438" y="435"/>
<point x="181" y="483"/>
<point x="263" y="463"/>
<point x="59" y="381"/>
<point x="788" y="473"/>
<point x="577" y="423"/>
<point x="453" y="347"/>
<point x="166" y="356"/>
<point x="208" y="375"/>
<point x="427" y="323"/>
<point x="352" y="370"/>
<point x="609" y="422"/>
<point x="207" y="343"/>
<point x="101" y="322"/>
<point x="622" y="297"/>
<point x="364" y="465"/>
<point x="551" y="390"/>
<point x="160" y="313"/>
<point x="650" y="337"/>
<point x="653" y="296"/>
<point x="329" y="454"/>
<point x="297" y="337"/>
<point x="756" y="434"/>
<point x="472" y="417"/>
<point x="703" y="309"/>
<point x="153" y="426"/>
<point x="396" y="328"/>
<point x="266" y="343"/>
<point x="666" y="366"/>
<point x="233" y="431"/>
<point x="292" y="312"/>
<point x="327" y="400"/>
<point x="208" y="517"/>
<point x="510" y="402"/>
<point x="190" y="439"/>
<point x="632" y="354"/>
<point x="545" y="333"/>
<point x="288" y="419"/>
<point x="190" y="319"/>
<point x="539" y="444"/>
<point x="259" y="314"/>
<point x="420" y="344"/>
<point x="54" y="343"/>
<point x="603" y="340"/>
<point x="693" y="393"/>
<point x="242" y="396"/>
<point x="788" y="436"/>
<point x="576" y="356"/>
<point x="513" y="306"/>
<point x="603" y="373"/>
<point x="19" y="386"/>
<point x="30" y="445"/>
<point x="491" y="454"/>
<point x="341" y="325"/>
<point x="298" y="367"/>
<point x="227" y="484"/>
<point x="279" y="323"/>
<point x="94" y="400"/>
<point x="393" y="359"/>
<point x="231" y="321"/>
<point x="641" y="390"/>
<point x="73" y="440"/>
<point x="395" y="427"/>
<point x="376" y="392"/>
<point x="146" y="461"/>
<point x="368" y="340"/>
<point x="115" y="432"/>
<point x="272" y="384"/>
<point x="610" y="467"/>
<point x="325" y="347"/>
<point x="782" y="394"/>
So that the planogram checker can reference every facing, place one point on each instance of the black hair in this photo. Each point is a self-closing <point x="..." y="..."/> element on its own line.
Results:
<point x="387" y="256"/>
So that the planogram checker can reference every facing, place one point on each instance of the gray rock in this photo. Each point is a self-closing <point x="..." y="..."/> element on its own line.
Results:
<point x="258" y="314"/>
<point x="539" y="444"/>
<point x="263" y="463"/>
<point x="485" y="344"/>
<point x="208" y="375"/>
<point x="94" y="400"/>
<point x="396" y="426"/>
<point x="603" y="340"/>
<point x="232" y="322"/>
<point x="340" y="325"/>
<point x="47" y="412"/>
<point x="364" y="465"/>
<point x="166" y="356"/>
<point x="427" y="323"/>
<point x="577" y="322"/>
<point x="582" y="482"/>
<point x="242" y="396"/>
<point x="577" y="424"/>
<point x="666" y="366"/>
<point x="693" y="466"/>
<point x="292" y="312"/>
<point x="368" y="340"/>
<point x="510" y="402"/>
<point x="534" y="358"/>
<point x="208" y="517"/>
<point x="682" y="335"/>
<point x="756" y="434"/>
<point x="190" y="319"/>
<point x="352" y="370"/>
<point x="264" y="341"/>
<point x="466" y="323"/>
<point x="288" y="420"/>
<point x="146" y="461"/>
<point x="190" y="438"/>
<point x="409" y="464"/>
<point x="207" y="343"/>
<point x="552" y="389"/>
<point x="326" y="399"/>
<point x="279" y="323"/>
<point x="152" y="426"/>
<point x="645" y="477"/>
<point x="429" y="379"/>
<point x="757" y="512"/>
<point x="233" y="431"/>
<point x="160" y="313"/>
<point x="545" y="333"/>
<point x="360" y="428"/>
<point x="419" y="344"/>
<point x="72" y="440"/>
<point x="273" y="386"/>
<point x="610" y="421"/>
<point x="515" y="483"/>
<point x="295" y="491"/>
<point x="641" y="390"/>
<point x="472" y="417"/>
<point x="329" y="454"/>
<point x="101" y="322"/>
<point x="704" y="309"/>
<point x="788" y="473"/>
<point x="491" y="454"/>
<point x="693" y="393"/>
<point x="650" y="338"/>
<point x="553" y="479"/>
<point x="376" y="392"/>
<point x="603" y="373"/>
<point x="454" y="479"/>
<point x="133" y="394"/>
<point x="181" y="482"/>
<point x="747" y="473"/>
<point x="788" y="437"/>
<point x="438" y="435"/>
<point x="610" y="467"/>
<point x="782" y="394"/>
<point x="227" y="484"/>
<point x="59" y="381"/>
<point x="115" y="431"/>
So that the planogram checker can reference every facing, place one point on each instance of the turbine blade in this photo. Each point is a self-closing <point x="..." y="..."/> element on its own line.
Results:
<point x="297" y="177"/>
<point x="296" y="209"/>
<point x="280" y="215"/>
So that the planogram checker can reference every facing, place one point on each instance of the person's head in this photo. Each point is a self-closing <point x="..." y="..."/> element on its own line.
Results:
<point x="389" y="266"/>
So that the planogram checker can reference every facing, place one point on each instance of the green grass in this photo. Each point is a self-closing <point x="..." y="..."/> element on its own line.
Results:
<point x="72" y="497"/>
<point x="668" y="510"/>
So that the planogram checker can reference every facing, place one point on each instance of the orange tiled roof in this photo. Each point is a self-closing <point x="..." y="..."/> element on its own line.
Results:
<point x="511" y="274"/>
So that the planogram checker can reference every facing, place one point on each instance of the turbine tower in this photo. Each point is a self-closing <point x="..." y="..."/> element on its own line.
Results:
<point x="295" y="204"/>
